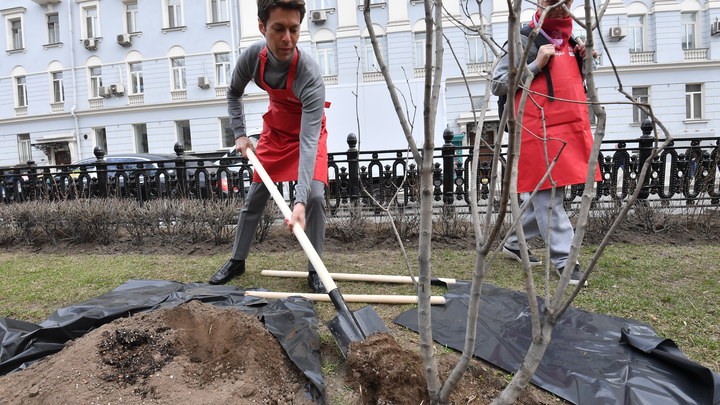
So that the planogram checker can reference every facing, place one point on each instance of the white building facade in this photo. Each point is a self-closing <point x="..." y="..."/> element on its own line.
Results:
<point x="141" y="75"/>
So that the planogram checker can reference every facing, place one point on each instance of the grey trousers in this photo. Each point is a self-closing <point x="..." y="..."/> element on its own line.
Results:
<point x="252" y="211"/>
<point x="535" y="222"/>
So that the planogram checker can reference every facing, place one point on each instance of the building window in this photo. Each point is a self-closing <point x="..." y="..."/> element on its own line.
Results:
<point x="178" y="73"/>
<point x="136" y="78"/>
<point x="101" y="138"/>
<point x="641" y="95"/>
<point x="693" y="101"/>
<point x="371" y="62"/>
<point x="53" y="28"/>
<point x="182" y="129"/>
<point x="218" y="11"/>
<point x="95" y="74"/>
<point x="323" y="4"/>
<point x="58" y="89"/>
<point x="21" y="92"/>
<point x="141" y="138"/>
<point x="476" y="48"/>
<point x="689" y="27"/>
<point x="326" y="58"/>
<point x="222" y="69"/>
<point x="420" y="49"/>
<point x="175" y="14"/>
<point x="24" y="148"/>
<point x="228" y="136"/>
<point x="91" y="26"/>
<point x="131" y="12"/>
<point x="636" y="33"/>
<point x="16" y="34"/>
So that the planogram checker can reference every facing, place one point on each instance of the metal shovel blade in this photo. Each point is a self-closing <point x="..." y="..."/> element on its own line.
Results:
<point x="355" y="326"/>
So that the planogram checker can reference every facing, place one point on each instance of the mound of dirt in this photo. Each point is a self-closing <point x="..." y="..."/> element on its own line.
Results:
<point x="383" y="372"/>
<point x="193" y="353"/>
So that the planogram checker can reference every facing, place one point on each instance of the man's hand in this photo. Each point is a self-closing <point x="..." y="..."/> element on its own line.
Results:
<point x="580" y="49"/>
<point x="544" y="54"/>
<point x="298" y="215"/>
<point x="242" y="143"/>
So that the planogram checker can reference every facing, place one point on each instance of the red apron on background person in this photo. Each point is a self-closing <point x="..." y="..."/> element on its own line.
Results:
<point x="279" y="146"/>
<point x="564" y="121"/>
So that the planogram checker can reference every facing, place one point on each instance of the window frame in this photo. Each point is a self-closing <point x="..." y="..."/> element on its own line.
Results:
<point x="53" y="29"/>
<point x="217" y="12"/>
<point x="222" y="68"/>
<point x="90" y="23"/>
<point x="100" y="137"/>
<point x="178" y="73"/>
<point x="226" y="132"/>
<point x="693" y="111"/>
<point x="638" y="114"/>
<point x="94" y="82"/>
<point x="370" y="54"/>
<point x="176" y="10"/>
<point x="20" y="89"/>
<point x="326" y="54"/>
<point x="689" y="31"/>
<point x="135" y="78"/>
<point x="16" y="38"/>
<point x="140" y="138"/>
<point x="24" y="148"/>
<point x="640" y="29"/>
<point x="183" y="134"/>
<point x="57" y="87"/>
<point x="131" y="17"/>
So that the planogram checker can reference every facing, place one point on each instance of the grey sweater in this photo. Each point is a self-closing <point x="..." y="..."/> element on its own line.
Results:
<point x="308" y="87"/>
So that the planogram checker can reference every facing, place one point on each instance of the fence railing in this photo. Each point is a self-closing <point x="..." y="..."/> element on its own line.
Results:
<point x="685" y="173"/>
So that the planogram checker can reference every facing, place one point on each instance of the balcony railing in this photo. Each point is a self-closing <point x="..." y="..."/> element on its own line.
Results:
<point x="95" y="103"/>
<point x="136" y="99"/>
<point x="642" y="57"/>
<point x="695" y="54"/>
<point x="178" y="95"/>
<point x="479" y="68"/>
<point x="372" y="77"/>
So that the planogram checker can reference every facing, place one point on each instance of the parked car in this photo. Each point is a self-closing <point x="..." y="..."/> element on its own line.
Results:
<point x="149" y="165"/>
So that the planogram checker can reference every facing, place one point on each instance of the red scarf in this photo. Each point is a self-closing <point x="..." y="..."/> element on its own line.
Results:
<point x="556" y="30"/>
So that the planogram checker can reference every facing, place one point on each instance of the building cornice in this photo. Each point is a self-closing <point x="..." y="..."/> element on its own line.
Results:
<point x="603" y="70"/>
<point x="132" y="109"/>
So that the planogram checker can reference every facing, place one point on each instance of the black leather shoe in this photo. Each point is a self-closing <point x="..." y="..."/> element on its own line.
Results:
<point x="315" y="283"/>
<point x="228" y="271"/>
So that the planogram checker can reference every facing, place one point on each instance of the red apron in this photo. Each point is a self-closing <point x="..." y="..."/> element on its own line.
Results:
<point x="564" y="121"/>
<point x="279" y="146"/>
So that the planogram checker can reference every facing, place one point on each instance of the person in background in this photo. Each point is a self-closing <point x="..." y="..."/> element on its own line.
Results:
<point x="293" y="142"/>
<point x="549" y="122"/>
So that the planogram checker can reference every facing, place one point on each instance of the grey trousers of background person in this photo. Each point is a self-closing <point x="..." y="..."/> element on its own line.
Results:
<point x="252" y="211"/>
<point x="535" y="223"/>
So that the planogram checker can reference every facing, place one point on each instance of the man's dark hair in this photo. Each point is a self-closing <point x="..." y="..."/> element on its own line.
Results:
<point x="264" y="7"/>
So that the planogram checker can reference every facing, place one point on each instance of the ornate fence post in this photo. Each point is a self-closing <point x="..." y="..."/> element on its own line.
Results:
<point x="101" y="171"/>
<point x="32" y="180"/>
<point x="180" y="170"/>
<point x="448" y="156"/>
<point x="645" y="148"/>
<point x="353" y="168"/>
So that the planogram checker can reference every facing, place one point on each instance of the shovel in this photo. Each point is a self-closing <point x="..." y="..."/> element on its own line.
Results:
<point x="347" y="326"/>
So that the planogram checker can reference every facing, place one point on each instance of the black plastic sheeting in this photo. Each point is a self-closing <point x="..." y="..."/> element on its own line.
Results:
<point x="292" y="321"/>
<point x="592" y="358"/>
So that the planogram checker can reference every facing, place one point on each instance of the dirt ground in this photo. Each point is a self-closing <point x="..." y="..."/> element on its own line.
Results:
<point x="196" y="353"/>
<point x="200" y="354"/>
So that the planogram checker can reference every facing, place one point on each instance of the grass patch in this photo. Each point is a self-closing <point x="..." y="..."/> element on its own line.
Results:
<point x="675" y="289"/>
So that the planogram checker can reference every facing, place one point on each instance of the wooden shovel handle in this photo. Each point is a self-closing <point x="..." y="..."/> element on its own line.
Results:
<point x="381" y="278"/>
<point x="310" y="251"/>
<point x="366" y="298"/>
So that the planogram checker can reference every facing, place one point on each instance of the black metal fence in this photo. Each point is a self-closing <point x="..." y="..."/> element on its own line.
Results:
<point x="685" y="173"/>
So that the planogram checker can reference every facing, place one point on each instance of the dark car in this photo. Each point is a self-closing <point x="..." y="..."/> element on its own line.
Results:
<point x="149" y="173"/>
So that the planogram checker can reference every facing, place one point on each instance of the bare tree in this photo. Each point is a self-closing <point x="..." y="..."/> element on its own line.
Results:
<point x="557" y="299"/>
